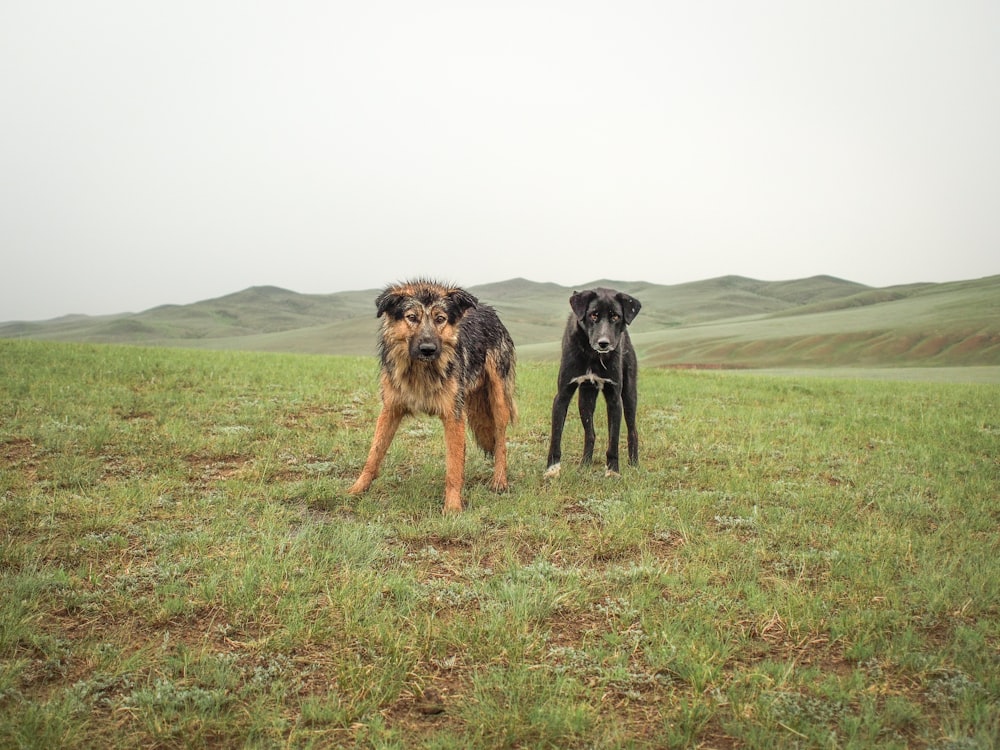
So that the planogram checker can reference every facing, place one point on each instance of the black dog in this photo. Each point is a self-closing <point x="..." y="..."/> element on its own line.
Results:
<point x="597" y="356"/>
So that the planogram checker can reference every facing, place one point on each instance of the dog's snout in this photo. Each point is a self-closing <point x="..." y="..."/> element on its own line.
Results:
<point x="427" y="348"/>
<point x="604" y="343"/>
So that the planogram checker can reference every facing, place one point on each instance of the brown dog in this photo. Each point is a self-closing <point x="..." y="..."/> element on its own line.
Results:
<point x="443" y="353"/>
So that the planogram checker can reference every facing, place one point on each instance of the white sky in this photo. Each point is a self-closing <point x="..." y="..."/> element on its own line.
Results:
<point x="166" y="152"/>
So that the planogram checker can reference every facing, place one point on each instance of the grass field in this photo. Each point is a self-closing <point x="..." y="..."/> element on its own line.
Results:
<point x="798" y="562"/>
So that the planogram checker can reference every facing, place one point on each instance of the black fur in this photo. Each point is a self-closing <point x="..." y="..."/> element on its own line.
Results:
<point x="597" y="356"/>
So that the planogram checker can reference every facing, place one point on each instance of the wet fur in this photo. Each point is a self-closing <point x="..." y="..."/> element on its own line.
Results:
<point x="443" y="353"/>
<point x="597" y="357"/>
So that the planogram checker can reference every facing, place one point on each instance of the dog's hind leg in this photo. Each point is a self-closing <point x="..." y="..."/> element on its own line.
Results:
<point x="501" y="413"/>
<point x="587" y="402"/>
<point x="385" y="431"/>
<point x="614" y="401"/>
<point x="454" y="471"/>
<point x="629" y="404"/>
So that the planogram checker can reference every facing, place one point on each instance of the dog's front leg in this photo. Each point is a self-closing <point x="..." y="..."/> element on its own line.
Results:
<point x="385" y="431"/>
<point x="454" y="472"/>
<point x="560" y="405"/>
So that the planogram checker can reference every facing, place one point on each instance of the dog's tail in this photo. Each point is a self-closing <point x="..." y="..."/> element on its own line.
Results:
<point x="492" y="409"/>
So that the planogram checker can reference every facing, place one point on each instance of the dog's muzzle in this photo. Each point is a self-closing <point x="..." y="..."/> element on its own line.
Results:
<point x="426" y="350"/>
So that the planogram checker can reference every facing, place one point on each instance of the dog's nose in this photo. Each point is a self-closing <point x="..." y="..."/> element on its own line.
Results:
<point x="428" y="348"/>
<point x="603" y="344"/>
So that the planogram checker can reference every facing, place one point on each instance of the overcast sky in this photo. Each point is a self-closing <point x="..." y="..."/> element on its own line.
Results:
<point x="167" y="152"/>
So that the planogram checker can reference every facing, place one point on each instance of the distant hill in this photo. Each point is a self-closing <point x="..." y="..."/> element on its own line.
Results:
<point x="950" y="324"/>
<point x="730" y="321"/>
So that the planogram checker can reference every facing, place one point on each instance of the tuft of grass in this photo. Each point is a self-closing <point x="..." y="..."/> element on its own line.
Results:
<point x="796" y="562"/>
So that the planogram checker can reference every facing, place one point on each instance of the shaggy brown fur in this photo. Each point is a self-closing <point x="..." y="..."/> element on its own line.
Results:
<point x="445" y="354"/>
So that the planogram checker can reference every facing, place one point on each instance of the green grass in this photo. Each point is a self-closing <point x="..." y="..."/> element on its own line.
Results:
<point x="798" y="562"/>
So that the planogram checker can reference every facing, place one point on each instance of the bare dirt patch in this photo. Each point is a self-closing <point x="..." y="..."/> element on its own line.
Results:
<point x="209" y="468"/>
<point x="21" y="453"/>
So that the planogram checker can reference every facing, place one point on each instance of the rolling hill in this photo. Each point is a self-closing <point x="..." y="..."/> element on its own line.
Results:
<point x="953" y="324"/>
<point x="730" y="321"/>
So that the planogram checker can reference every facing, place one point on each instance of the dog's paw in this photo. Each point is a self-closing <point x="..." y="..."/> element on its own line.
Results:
<point x="359" y="486"/>
<point x="611" y="473"/>
<point x="552" y="472"/>
<point x="499" y="485"/>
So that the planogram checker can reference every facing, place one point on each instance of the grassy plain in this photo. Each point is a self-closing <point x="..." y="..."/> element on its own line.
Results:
<point x="798" y="562"/>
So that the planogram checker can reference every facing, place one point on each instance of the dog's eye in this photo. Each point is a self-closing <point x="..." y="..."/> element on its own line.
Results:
<point x="594" y="316"/>
<point x="412" y="317"/>
<point x="616" y="317"/>
<point x="441" y="320"/>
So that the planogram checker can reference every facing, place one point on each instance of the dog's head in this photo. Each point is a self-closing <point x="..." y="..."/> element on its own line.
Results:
<point x="423" y="314"/>
<point x="603" y="315"/>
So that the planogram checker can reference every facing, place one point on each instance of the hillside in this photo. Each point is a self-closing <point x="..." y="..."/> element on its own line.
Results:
<point x="730" y="321"/>
<point x="275" y="319"/>
<point x="929" y="324"/>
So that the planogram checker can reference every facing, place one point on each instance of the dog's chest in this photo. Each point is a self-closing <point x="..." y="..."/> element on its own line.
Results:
<point x="590" y="378"/>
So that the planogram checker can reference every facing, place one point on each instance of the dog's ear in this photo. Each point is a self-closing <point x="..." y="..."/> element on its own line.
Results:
<point x="388" y="302"/>
<point x="580" y="301"/>
<point x="460" y="301"/>
<point x="630" y="306"/>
